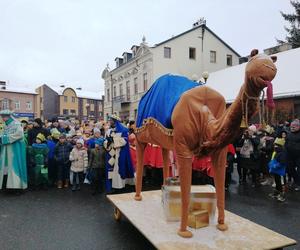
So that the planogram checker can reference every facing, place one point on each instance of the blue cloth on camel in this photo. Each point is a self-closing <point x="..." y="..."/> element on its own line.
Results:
<point x="160" y="100"/>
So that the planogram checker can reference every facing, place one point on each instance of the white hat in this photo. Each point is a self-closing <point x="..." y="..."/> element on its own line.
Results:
<point x="80" y="141"/>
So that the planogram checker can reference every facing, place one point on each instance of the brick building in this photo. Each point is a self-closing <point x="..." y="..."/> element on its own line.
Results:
<point x="21" y="101"/>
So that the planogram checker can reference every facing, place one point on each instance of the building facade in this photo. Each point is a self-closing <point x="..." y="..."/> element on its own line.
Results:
<point x="66" y="102"/>
<point x="22" y="102"/>
<point x="188" y="54"/>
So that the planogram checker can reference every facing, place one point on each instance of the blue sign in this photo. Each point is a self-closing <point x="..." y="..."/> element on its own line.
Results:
<point x="29" y="115"/>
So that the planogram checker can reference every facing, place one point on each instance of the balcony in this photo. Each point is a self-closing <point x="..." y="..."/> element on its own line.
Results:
<point x="122" y="99"/>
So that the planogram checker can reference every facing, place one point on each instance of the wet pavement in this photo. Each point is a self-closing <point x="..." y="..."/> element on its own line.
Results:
<point x="62" y="219"/>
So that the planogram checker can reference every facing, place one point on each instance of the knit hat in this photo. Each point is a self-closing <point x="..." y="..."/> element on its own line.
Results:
<point x="41" y="137"/>
<point x="99" y="141"/>
<point x="62" y="136"/>
<point x="279" y="141"/>
<point x="96" y="130"/>
<point x="55" y="133"/>
<point x="80" y="141"/>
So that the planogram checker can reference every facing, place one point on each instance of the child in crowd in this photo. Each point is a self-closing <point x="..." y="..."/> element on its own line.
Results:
<point x="277" y="167"/>
<point x="38" y="155"/>
<point x="61" y="155"/>
<point x="52" y="169"/>
<point x="79" y="164"/>
<point x="97" y="165"/>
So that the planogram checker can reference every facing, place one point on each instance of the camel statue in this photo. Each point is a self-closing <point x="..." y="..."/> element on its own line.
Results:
<point x="193" y="120"/>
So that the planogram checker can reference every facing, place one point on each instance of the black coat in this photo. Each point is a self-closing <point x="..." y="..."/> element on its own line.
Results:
<point x="292" y="144"/>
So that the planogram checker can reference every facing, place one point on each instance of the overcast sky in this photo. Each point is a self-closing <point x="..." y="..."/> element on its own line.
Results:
<point x="70" y="41"/>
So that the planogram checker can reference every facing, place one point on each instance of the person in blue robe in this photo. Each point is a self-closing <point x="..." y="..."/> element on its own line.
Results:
<point x="118" y="165"/>
<point x="13" y="171"/>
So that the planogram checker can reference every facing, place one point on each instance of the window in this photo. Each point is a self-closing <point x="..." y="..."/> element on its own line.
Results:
<point x="28" y="105"/>
<point x="145" y="81"/>
<point x="108" y="95"/>
<point x="192" y="53"/>
<point x="128" y="90"/>
<point x="73" y="99"/>
<point x="136" y="89"/>
<point x="167" y="52"/>
<point x="213" y="56"/>
<point x="65" y="111"/>
<point x="121" y="89"/>
<point x="17" y="105"/>
<point x="115" y="91"/>
<point x="41" y="99"/>
<point x="65" y="99"/>
<point x="5" y="104"/>
<point x="91" y="101"/>
<point x="229" y="60"/>
<point x="73" y="112"/>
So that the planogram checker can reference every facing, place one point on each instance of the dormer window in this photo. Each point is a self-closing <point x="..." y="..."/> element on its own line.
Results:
<point x="126" y="57"/>
<point x="134" y="50"/>
<point x="119" y="61"/>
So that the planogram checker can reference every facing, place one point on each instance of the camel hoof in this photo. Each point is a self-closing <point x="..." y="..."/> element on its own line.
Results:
<point x="222" y="227"/>
<point x="138" y="197"/>
<point x="185" y="234"/>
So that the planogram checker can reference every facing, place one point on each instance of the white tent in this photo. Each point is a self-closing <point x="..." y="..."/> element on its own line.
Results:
<point x="286" y="83"/>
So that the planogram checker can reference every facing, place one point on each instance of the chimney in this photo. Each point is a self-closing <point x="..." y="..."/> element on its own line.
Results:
<point x="3" y="84"/>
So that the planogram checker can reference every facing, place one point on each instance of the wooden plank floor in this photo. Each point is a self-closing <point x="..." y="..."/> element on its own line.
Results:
<point x="148" y="217"/>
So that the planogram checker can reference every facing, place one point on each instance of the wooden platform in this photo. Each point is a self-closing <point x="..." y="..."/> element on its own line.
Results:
<point x="148" y="217"/>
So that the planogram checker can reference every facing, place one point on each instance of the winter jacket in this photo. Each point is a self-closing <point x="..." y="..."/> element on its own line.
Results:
<point x="62" y="152"/>
<point x="292" y="144"/>
<point x="51" y="145"/>
<point x="38" y="155"/>
<point x="79" y="159"/>
<point x="97" y="158"/>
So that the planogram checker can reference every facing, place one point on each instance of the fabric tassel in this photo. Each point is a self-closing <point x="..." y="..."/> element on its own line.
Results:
<point x="270" y="101"/>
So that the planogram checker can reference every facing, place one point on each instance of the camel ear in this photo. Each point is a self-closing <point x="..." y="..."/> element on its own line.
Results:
<point x="274" y="59"/>
<point x="254" y="52"/>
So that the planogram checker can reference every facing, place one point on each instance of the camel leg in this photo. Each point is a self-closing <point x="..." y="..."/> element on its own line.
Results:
<point x="140" y="148"/>
<point x="185" y="174"/>
<point x="219" y="164"/>
<point x="165" y="154"/>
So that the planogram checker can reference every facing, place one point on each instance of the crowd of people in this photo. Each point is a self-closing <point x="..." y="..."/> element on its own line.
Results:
<point x="270" y="156"/>
<point x="37" y="154"/>
<point x="65" y="153"/>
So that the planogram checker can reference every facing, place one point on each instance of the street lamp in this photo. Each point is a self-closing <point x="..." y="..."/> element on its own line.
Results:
<point x="205" y="76"/>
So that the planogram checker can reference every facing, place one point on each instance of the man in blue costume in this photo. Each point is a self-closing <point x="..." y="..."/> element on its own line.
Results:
<point x="13" y="173"/>
<point x="118" y="165"/>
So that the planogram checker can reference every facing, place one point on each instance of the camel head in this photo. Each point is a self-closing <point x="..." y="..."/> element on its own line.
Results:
<point x="260" y="70"/>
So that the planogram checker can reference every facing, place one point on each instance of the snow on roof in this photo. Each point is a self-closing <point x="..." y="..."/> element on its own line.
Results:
<point x="94" y="95"/>
<point x="286" y="83"/>
<point x="18" y="89"/>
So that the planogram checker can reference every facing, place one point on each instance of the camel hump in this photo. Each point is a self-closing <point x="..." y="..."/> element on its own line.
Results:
<point x="198" y="100"/>
<point x="159" y="101"/>
<point x="204" y="96"/>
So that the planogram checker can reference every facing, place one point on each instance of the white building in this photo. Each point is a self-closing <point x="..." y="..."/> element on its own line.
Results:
<point x="189" y="53"/>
